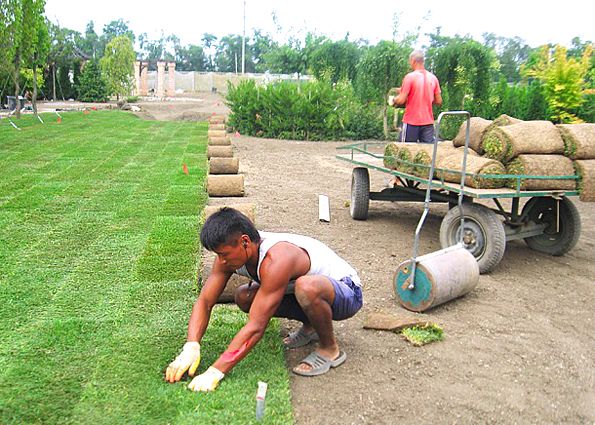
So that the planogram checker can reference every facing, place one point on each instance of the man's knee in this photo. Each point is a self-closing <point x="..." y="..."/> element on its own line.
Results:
<point x="310" y="288"/>
<point x="244" y="295"/>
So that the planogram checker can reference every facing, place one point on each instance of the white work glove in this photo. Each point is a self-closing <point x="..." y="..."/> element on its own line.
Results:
<point x="391" y="101"/>
<point x="207" y="381"/>
<point x="187" y="360"/>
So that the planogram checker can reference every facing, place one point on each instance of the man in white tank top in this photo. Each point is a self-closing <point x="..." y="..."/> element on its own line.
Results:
<point x="296" y="277"/>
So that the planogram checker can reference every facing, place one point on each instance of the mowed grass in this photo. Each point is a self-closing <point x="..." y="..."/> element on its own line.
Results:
<point x="98" y="259"/>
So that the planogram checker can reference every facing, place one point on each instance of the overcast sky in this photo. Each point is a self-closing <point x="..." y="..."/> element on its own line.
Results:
<point x="536" y="22"/>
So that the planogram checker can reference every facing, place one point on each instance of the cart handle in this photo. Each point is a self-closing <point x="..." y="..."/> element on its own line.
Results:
<point x="422" y="219"/>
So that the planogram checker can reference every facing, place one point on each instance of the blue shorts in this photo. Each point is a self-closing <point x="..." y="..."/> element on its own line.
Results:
<point x="348" y="300"/>
<point x="417" y="133"/>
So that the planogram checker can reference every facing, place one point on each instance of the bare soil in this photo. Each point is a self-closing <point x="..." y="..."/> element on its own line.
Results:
<point x="518" y="349"/>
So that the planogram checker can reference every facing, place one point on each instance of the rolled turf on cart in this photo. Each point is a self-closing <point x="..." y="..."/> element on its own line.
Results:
<point x="477" y="127"/>
<point x="423" y="158"/>
<point x="542" y="165"/>
<point x="399" y="155"/>
<point x="527" y="137"/>
<point x="579" y="140"/>
<point x="449" y="169"/>
<point x="585" y="170"/>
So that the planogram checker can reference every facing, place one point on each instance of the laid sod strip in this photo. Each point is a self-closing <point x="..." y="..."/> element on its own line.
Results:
<point x="98" y="268"/>
<point x="422" y="335"/>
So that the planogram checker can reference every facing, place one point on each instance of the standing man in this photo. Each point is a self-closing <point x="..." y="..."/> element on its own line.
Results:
<point x="419" y="91"/>
<point x="296" y="277"/>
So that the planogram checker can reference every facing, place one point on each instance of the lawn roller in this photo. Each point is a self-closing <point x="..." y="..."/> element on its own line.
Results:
<point x="435" y="278"/>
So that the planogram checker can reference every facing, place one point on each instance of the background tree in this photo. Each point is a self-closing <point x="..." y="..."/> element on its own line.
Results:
<point x="40" y="44"/>
<point x="335" y="60"/>
<point x="563" y="80"/>
<point x="117" y="65"/>
<point x="92" y="86"/>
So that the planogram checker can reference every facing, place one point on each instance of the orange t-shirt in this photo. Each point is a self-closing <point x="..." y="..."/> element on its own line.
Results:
<point x="421" y="87"/>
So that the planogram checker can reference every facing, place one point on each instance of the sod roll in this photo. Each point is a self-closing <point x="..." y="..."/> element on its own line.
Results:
<point x="450" y="166"/>
<point x="542" y="165"/>
<point x="526" y="137"/>
<point x="477" y="127"/>
<point x="219" y="141"/>
<point x="579" y="140"/>
<point x="225" y="184"/>
<point x="216" y="133"/>
<point x="219" y="152"/>
<point x="248" y="209"/>
<point x="216" y="126"/>
<point x="504" y="120"/>
<point x="423" y="158"/>
<point x="220" y="165"/>
<point x="399" y="155"/>
<point x="217" y="119"/>
<point x="585" y="170"/>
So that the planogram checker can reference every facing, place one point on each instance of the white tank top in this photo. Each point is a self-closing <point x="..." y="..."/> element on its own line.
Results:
<point x="323" y="260"/>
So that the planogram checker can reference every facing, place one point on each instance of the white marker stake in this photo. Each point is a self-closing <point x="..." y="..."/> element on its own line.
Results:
<point x="324" y="210"/>
<point x="260" y="396"/>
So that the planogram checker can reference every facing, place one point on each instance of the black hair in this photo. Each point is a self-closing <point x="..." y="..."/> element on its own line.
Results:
<point x="223" y="226"/>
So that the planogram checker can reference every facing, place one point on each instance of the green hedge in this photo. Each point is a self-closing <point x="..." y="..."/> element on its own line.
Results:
<point x="314" y="110"/>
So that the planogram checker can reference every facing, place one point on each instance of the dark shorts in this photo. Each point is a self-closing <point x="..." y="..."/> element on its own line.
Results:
<point x="417" y="133"/>
<point x="348" y="300"/>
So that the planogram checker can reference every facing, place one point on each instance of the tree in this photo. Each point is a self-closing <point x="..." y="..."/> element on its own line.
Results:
<point x="191" y="58"/>
<point x="511" y="53"/>
<point x="112" y="30"/>
<point x="464" y="67"/>
<point x="563" y="80"/>
<point x="335" y="60"/>
<point x="19" y="36"/>
<point x="117" y="65"/>
<point x="40" y="44"/>
<point x="381" y="68"/>
<point x="92" y="87"/>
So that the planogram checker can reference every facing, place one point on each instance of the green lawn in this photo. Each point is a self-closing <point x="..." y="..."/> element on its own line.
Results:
<point x="98" y="260"/>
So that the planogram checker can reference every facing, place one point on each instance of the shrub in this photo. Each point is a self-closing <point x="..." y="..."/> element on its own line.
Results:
<point x="92" y="86"/>
<point x="314" y="110"/>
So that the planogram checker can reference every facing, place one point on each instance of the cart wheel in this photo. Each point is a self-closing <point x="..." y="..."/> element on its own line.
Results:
<point x="484" y="234"/>
<point x="557" y="238"/>
<point x="360" y="193"/>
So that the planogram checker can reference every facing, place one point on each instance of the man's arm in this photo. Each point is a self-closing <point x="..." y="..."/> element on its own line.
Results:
<point x="211" y="290"/>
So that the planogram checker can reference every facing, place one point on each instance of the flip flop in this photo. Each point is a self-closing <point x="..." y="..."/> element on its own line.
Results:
<point x="320" y="364"/>
<point x="300" y="338"/>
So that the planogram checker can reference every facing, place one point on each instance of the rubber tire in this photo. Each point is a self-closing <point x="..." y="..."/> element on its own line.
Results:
<point x="543" y="209"/>
<point x="360" y="193"/>
<point x="487" y="227"/>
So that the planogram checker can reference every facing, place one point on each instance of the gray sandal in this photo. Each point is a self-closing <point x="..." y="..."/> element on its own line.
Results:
<point x="320" y="364"/>
<point x="300" y="338"/>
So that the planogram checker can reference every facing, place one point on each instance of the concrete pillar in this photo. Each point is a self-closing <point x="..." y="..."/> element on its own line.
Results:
<point x="137" y="65"/>
<point x="160" y="79"/>
<point x="171" y="79"/>
<point x="144" y="79"/>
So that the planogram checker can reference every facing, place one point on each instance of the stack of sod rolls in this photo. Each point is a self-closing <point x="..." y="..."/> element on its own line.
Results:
<point x="579" y="145"/>
<point x="223" y="178"/>
<point x="400" y="156"/>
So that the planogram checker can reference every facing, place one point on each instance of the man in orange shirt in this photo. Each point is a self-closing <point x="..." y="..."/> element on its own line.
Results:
<point x="419" y="91"/>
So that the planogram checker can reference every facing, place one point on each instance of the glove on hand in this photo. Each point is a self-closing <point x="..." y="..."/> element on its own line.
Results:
<point x="187" y="360"/>
<point x="207" y="381"/>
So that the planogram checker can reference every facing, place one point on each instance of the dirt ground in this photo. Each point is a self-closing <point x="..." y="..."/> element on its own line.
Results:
<point x="518" y="349"/>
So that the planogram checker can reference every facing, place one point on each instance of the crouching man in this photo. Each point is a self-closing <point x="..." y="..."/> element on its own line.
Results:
<point x="293" y="276"/>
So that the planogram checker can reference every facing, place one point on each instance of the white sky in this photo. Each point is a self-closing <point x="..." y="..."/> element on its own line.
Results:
<point x="536" y="22"/>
